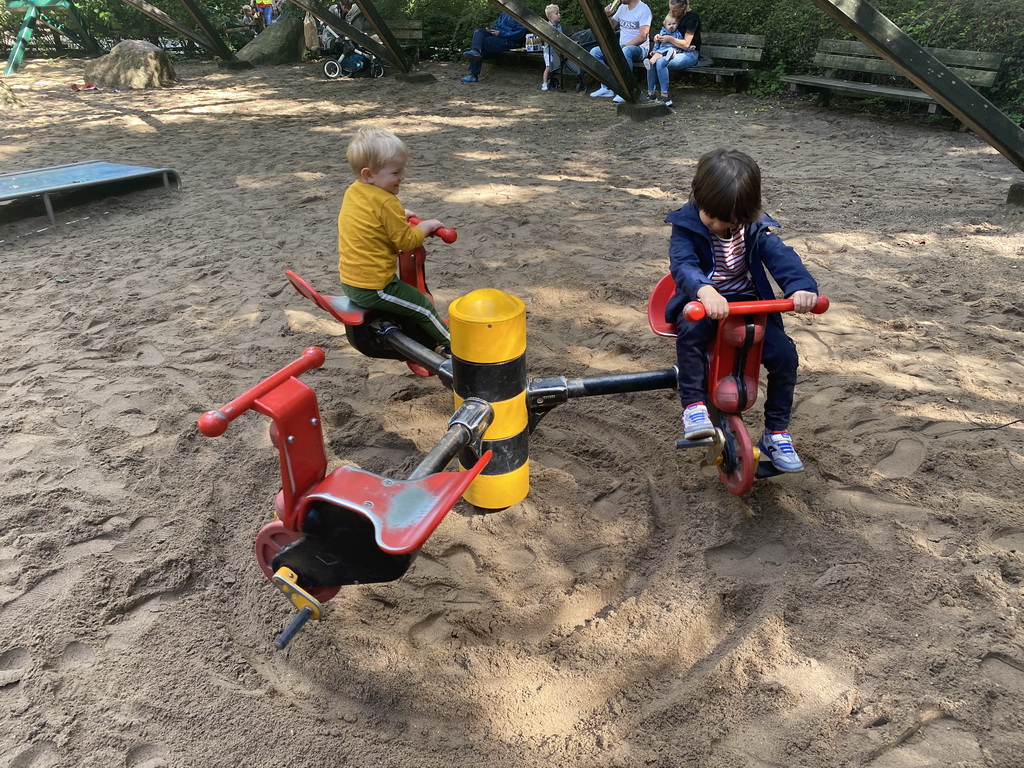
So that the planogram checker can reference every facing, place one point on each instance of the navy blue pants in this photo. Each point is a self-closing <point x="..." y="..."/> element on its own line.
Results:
<point x="778" y="356"/>
<point x="487" y="43"/>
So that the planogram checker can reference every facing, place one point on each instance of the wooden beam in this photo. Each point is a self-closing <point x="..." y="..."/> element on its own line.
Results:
<point x="157" y="15"/>
<point x="214" y="35"/>
<point x="388" y="49"/>
<point x="564" y="45"/>
<point x="623" y="80"/>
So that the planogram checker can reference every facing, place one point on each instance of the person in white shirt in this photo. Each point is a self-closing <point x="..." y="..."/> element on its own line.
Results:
<point x="633" y="20"/>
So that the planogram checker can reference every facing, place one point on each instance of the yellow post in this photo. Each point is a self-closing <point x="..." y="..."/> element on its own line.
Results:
<point x="488" y="329"/>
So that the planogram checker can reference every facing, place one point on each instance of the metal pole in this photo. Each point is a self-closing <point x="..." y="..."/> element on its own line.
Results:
<point x="21" y="43"/>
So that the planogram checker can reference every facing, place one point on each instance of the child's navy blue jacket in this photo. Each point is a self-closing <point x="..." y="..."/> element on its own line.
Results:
<point x="692" y="259"/>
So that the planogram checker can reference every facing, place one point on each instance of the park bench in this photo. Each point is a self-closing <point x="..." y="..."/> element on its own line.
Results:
<point x="869" y="75"/>
<point x="409" y="34"/>
<point x="733" y="55"/>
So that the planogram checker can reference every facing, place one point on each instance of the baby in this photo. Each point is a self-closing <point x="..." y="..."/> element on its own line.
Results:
<point x="663" y="48"/>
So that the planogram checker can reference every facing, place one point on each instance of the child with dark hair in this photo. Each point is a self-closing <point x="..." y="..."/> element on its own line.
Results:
<point x="721" y="250"/>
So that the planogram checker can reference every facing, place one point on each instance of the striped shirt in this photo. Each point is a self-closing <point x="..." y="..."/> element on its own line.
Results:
<point x="730" y="274"/>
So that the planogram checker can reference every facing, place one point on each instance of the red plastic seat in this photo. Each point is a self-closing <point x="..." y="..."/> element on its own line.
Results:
<point x="342" y="308"/>
<point x="660" y="296"/>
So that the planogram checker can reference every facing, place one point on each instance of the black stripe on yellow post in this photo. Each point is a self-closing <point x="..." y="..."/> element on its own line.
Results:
<point x="488" y="329"/>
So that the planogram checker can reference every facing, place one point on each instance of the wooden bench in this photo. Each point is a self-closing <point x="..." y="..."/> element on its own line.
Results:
<point x="409" y="34"/>
<point x="855" y="58"/>
<point x="733" y="55"/>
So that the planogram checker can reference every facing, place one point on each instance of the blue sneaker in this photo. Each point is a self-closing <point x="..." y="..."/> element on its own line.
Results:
<point x="470" y="79"/>
<point x="697" y="422"/>
<point x="473" y="54"/>
<point x="778" y="448"/>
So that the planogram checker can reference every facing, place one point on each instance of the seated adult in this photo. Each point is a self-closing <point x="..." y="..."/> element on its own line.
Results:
<point x="685" y="42"/>
<point x="505" y="34"/>
<point x="633" y="20"/>
<point x="355" y="17"/>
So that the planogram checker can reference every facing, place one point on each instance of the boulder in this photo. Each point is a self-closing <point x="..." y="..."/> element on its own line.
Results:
<point x="7" y="97"/>
<point x="132" y="64"/>
<point x="282" y="42"/>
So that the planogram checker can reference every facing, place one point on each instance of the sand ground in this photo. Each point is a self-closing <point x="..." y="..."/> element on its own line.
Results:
<point x="629" y="612"/>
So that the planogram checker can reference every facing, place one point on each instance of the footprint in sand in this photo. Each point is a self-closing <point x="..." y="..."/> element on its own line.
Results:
<point x="1009" y="540"/>
<point x="941" y="741"/>
<point x="147" y="354"/>
<point x="147" y="756"/>
<point x="821" y="402"/>
<point x="902" y="461"/>
<point x="76" y="655"/>
<point x="760" y="565"/>
<point x="430" y="631"/>
<point x="43" y="754"/>
<point x="13" y="666"/>
<point x="1006" y="672"/>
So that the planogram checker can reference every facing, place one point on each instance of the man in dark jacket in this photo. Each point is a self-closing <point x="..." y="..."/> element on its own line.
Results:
<point x="505" y="34"/>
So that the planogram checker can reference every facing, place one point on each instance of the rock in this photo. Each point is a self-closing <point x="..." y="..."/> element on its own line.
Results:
<point x="280" y="43"/>
<point x="7" y="97"/>
<point x="132" y="64"/>
<point x="1016" y="194"/>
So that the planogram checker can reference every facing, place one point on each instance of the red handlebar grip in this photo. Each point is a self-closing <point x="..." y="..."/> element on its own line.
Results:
<point x="694" y="311"/>
<point x="447" y="234"/>
<point x="214" y="423"/>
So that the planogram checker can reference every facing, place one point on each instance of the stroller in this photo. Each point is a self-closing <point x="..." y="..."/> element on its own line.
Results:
<point x="563" y="66"/>
<point x="345" y="58"/>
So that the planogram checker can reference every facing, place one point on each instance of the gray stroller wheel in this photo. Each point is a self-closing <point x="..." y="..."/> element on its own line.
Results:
<point x="332" y="68"/>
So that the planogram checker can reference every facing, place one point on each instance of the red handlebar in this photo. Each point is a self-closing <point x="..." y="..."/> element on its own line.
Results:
<point x="447" y="234"/>
<point x="214" y="423"/>
<point x="694" y="310"/>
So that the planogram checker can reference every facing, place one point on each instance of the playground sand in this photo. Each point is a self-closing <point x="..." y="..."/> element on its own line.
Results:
<point x="629" y="612"/>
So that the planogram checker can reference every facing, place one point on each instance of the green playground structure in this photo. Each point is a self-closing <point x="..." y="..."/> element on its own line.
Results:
<point x="34" y="14"/>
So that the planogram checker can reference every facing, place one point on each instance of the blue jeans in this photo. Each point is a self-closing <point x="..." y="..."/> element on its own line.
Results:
<point x="778" y="356"/>
<point x="658" y="73"/>
<point x="634" y="55"/>
<point x="487" y="43"/>
<point x="267" y="11"/>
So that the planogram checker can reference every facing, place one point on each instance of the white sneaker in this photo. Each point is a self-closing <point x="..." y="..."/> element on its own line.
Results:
<point x="543" y="86"/>
<point x="778" y="447"/>
<point x="647" y="62"/>
<point x="618" y="99"/>
<point x="697" y="422"/>
<point x="603" y="92"/>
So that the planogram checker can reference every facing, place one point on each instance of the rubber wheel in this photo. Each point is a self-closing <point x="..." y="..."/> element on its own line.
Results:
<point x="272" y="538"/>
<point x="738" y="467"/>
<point x="376" y="69"/>
<point x="332" y="69"/>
